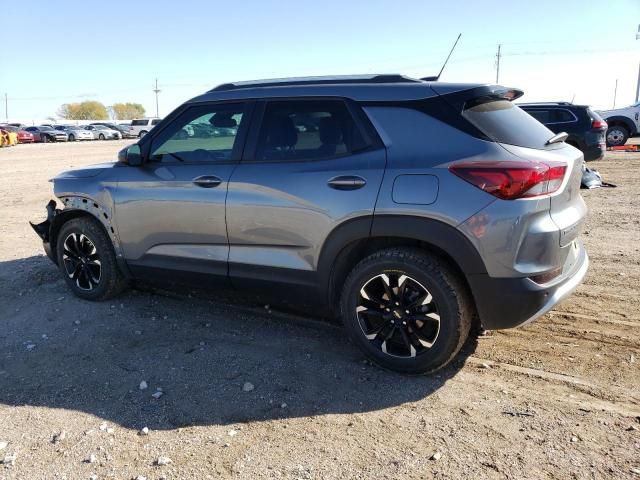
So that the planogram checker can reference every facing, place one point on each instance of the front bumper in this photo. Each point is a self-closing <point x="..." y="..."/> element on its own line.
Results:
<point x="513" y="302"/>
<point x="43" y="230"/>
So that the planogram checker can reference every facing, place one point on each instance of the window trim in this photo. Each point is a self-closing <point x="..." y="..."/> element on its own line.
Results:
<point x="239" y="145"/>
<point x="251" y="147"/>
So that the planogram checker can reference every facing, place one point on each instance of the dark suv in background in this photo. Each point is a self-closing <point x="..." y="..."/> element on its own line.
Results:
<point x="585" y="127"/>
<point x="404" y="206"/>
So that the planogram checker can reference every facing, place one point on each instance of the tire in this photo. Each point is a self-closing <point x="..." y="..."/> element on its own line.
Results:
<point x="44" y="138"/>
<point x="420" y="342"/>
<point x="87" y="260"/>
<point x="101" y="137"/>
<point x="72" y="138"/>
<point x="142" y="133"/>
<point x="617" y="136"/>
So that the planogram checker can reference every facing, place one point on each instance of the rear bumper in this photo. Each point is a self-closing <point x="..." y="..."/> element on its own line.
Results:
<point x="513" y="302"/>
<point x="594" y="152"/>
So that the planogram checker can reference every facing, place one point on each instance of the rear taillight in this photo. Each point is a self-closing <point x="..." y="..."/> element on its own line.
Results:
<point x="510" y="180"/>
<point x="599" y="124"/>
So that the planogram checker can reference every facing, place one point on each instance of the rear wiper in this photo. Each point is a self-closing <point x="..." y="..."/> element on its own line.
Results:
<point x="558" y="138"/>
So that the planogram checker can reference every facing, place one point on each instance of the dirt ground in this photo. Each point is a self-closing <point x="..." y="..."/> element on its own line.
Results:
<point x="557" y="399"/>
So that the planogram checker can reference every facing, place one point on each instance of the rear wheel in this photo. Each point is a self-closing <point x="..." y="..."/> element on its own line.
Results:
<point x="142" y="134"/>
<point x="87" y="260"/>
<point x="406" y="310"/>
<point x="101" y="137"/>
<point x="72" y="138"/>
<point x="617" y="136"/>
<point x="44" y="138"/>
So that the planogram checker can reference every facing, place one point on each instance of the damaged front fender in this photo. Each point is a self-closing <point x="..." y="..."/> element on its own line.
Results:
<point x="44" y="229"/>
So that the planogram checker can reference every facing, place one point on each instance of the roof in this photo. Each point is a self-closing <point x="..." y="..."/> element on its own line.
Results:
<point x="378" y="87"/>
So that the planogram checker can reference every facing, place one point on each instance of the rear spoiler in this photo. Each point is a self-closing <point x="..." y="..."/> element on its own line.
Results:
<point x="462" y="99"/>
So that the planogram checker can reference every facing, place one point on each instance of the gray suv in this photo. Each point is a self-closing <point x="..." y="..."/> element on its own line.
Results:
<point x="409" y="208"/>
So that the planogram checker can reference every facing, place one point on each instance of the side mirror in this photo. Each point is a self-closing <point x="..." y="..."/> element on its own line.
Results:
<point x="131" y="155"/>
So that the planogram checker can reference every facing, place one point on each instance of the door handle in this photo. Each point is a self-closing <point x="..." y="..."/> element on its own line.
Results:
<point x="347" y="182"/>
<point x="207" y="181"/>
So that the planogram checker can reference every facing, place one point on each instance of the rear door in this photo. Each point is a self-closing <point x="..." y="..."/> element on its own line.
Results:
<point x="311" y="165"/>
<point x="170" y="212"/>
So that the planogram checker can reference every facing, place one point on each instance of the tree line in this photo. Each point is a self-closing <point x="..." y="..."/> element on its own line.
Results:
<point x="92" y="110"/>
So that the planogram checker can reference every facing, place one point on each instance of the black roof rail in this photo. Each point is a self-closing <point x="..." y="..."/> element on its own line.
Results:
<point x="337" y="80"/>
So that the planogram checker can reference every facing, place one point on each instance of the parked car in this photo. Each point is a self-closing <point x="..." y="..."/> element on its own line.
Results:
<point x="75" y="132"/>
<point x="101" y="132"/>
<point x="414" y="207"/>
<point x="47" y="134"/>
<point x="141" y="126"/>
<point x="22" y="136"/>
<point x="124" y="131"/>
<point x="585" y="127"/>
<point x="624" y="123"/>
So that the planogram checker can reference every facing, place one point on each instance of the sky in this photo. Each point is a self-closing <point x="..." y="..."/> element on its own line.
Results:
<point x="113" y="52"/>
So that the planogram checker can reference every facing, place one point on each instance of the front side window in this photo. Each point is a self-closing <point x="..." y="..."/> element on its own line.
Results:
<point x="200" y="134"/>
<point x="308" y="130"/>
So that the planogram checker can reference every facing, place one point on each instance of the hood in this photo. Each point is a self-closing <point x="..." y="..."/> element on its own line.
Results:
<point x="85" y="172"/>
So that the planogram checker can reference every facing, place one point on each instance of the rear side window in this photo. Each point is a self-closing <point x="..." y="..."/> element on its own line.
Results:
<point x="155" y="122"/>
<point x="564" y="116"/>
<point x="139" y="123"/>
<point x="543" y="116"/>
<point x="308" y="130"/>
<point x="504" y="122"/>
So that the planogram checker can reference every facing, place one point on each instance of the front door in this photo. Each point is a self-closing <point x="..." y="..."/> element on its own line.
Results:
<point x="170" y="212"/>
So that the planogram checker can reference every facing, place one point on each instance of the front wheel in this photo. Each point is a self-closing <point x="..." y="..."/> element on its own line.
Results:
<point x="406" y="310"/>
<point x="617" y="136"/>
<point x="45" y="139"/>
<point x="72" y="138"/>
<point x="101" y="137"/>
<point x="87" y="260"/>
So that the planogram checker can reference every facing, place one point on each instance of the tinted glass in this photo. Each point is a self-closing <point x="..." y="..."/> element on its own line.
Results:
<point x="504" y="122"/>
<point x="139" y="123"/>
<point x="542" y="116"/>
<point x="564" y="116"/>
<point x="201" y="134"/>
<point x="155" y="122"/>
<point x="307" y="130"/>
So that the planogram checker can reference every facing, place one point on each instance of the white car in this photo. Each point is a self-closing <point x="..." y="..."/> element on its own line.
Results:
<point x="141" y="126"/>
<point x="101" y="132"/>
<point x="75" y="132"/>
<point x="624" y="123"/>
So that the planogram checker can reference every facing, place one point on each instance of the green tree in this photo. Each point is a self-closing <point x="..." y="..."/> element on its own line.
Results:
<point x="88" y="110"/>
<point x="128" y="111"/>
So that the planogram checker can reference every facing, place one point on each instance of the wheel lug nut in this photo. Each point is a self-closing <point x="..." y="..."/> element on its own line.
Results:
<point x="397" y="303"/>
<point x="407" y="312"/>
<point x="404" y="323"/>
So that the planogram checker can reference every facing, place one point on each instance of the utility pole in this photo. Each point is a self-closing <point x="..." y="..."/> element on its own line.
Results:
<point x="156" y="91"/>
<point x="638" y="84"/>
<point x="498" y="55"/>
<point x="615" y="92"/>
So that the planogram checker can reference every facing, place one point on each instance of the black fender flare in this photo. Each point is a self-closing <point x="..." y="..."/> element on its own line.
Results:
<point x="628" y="123"/>
<point x="77" y="206"/>
<point x="435" y="233"/>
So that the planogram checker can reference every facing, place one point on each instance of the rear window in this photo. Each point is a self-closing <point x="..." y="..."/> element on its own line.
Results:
<point x="504" y="122"/>
<point x="139" y="123"/>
